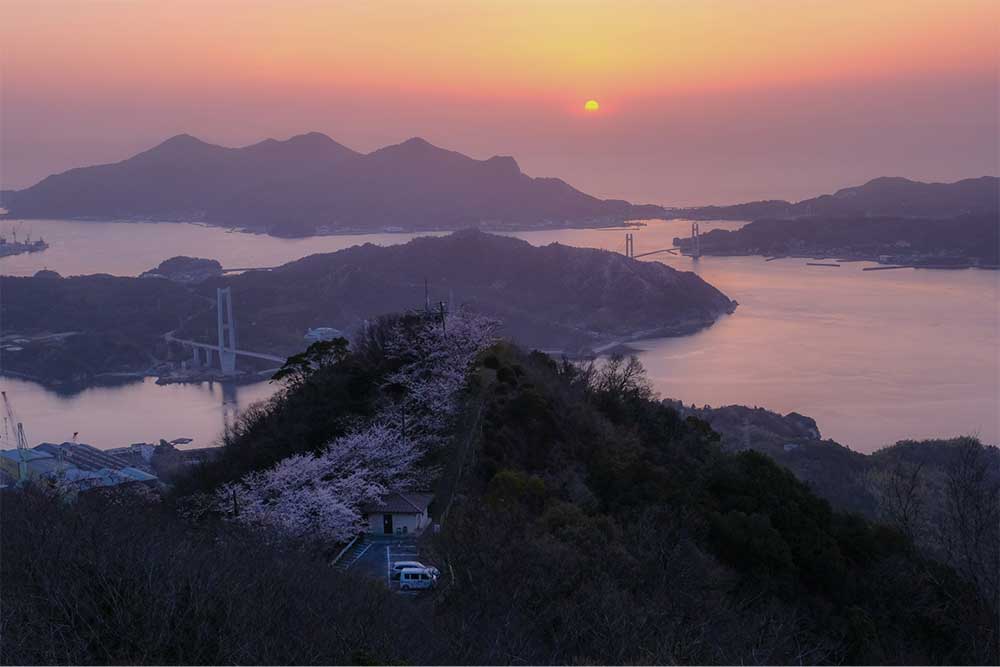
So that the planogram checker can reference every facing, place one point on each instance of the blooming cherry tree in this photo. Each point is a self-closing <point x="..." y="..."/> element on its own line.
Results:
<point x="318" y="497"/>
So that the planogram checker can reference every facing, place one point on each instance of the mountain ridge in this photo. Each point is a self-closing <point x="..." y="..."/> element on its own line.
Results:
<point x="311" y="184"/>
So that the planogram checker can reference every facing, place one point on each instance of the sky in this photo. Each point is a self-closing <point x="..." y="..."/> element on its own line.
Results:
<point x="700" y="102"/>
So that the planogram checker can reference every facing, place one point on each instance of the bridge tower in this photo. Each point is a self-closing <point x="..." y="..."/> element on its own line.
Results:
<point x="695" y="240"/>
<point x="227" y="330"/>
<point x="630" y="246"/>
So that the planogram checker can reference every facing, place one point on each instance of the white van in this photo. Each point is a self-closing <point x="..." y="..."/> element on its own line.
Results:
<point x="399" y="566"/>
<point x="414" y="578"/>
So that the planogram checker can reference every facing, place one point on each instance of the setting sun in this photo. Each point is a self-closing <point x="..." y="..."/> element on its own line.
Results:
<point x="591" y="105"/>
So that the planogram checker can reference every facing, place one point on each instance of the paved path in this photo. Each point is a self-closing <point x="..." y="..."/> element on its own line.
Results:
<point x="379" y="555"/>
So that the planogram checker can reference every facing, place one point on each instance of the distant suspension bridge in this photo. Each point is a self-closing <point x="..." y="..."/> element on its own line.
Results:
<point x="225" y="351"/>
<point x="695" y="250"/>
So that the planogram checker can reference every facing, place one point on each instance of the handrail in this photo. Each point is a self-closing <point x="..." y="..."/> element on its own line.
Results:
<point x="344" y="550"/>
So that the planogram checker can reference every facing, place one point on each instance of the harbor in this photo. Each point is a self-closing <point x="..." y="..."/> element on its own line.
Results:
<point x="15" y="247"/>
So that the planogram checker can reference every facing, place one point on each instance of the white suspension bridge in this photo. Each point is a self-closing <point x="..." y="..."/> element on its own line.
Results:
<point x="225" y="351"/>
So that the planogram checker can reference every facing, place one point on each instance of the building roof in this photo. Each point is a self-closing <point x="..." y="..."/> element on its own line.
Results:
<point x="400" y="503"/>
<point x="24" y="454"/>
<point x="105" y="477"/>
<point x="137" y="475"/>
<point x="84" y="457"/>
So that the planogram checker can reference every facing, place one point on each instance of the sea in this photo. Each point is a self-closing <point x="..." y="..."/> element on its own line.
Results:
<point x="873" y="356"/>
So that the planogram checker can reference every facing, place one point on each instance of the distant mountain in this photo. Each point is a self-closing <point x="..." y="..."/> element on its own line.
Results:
<point x="886" y="196"/>
<point x="311" y="183"/>
<point x="182" y="178"/>
<point x="903" y="197"/>
<point x="754" y="210"/>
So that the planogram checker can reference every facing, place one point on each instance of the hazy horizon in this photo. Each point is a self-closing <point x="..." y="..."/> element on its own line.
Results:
<point x="700" y="102"/>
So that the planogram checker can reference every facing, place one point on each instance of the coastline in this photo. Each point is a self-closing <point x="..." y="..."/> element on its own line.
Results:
<point x="848" y="259"/>
<point x="603" y="345"/>
<point x="624" y="223"/>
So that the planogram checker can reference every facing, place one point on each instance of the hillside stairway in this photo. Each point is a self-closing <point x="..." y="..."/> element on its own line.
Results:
<point x="351" y="553"/>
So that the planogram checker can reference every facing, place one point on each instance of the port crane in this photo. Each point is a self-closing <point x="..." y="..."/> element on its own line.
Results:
<point x="22" y="441"/>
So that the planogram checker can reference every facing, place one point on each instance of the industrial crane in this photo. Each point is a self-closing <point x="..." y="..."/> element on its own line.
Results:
<point x="22" y="441"/>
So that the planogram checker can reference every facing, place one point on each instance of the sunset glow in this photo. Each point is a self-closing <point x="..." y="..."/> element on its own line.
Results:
<point x="591" y="105"/>
<point x="488" y="78"/>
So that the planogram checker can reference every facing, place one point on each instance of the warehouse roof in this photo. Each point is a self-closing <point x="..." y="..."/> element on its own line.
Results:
<point x="84" y="457"/>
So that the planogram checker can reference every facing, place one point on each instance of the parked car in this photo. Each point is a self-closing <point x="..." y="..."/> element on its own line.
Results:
<point x="403" y="564"/>
<point x="414" y="578"/>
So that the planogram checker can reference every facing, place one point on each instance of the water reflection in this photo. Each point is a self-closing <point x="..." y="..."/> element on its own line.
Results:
<point x="141" y="412"/>
<point x="872" y="356"/>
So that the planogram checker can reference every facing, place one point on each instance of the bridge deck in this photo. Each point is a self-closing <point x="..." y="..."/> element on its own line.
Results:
<point x="672" y="251"/>
<point x="241" y="353"/>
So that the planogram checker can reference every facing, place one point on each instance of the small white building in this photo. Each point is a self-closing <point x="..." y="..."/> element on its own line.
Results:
<point x="323" y="333"/>
<point x="398" y="514"/>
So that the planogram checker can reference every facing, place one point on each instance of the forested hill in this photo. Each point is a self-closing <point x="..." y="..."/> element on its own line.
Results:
<point x="922" y="241"/>
<point x="551" y="297"/>
<point x="554" y="297"/>
<point x="620" y="530"/>
<point x="310" y="183"/>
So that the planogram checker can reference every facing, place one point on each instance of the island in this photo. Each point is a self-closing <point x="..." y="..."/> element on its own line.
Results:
<point x="962" y="241"/>
<point x="310" y="184"/>
<point x="556" y="298"/>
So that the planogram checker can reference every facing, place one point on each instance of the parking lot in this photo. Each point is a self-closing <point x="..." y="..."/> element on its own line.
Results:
<point x="380" y="553"/>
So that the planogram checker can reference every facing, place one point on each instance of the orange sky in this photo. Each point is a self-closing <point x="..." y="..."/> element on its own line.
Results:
<point x="700" y="101"/>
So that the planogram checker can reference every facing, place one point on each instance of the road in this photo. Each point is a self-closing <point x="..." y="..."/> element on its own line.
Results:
<point x="169" y="336"/>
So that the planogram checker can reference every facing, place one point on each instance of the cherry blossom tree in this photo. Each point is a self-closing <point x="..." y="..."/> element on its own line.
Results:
<point x="318" y="497"/>
<point x="436" y="357"/>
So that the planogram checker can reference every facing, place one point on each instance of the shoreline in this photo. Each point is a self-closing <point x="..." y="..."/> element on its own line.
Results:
<point x="841" y="259"/>
<point x="627" y="223"/>
<point x="603" y="346"/>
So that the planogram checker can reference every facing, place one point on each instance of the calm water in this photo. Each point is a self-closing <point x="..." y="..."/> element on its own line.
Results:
<point x="109" y="417"/>
<point x="129" y="248"/>
<point x="874" y="357"/>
